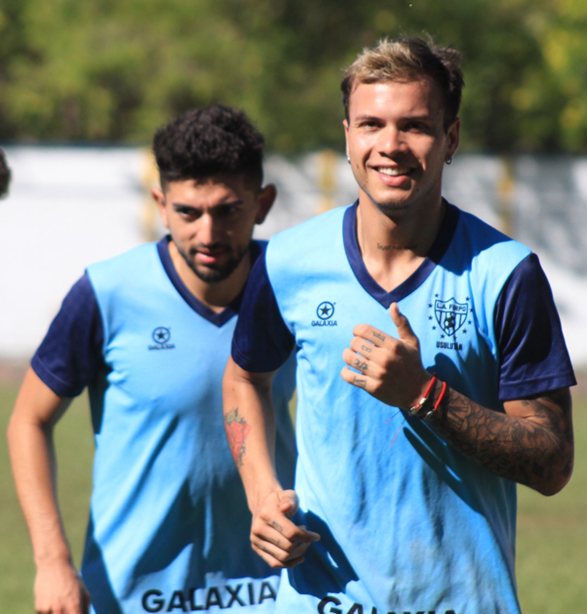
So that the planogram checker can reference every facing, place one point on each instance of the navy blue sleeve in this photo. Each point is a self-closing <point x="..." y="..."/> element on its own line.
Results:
<point x="71" y="353"/>
<point x="262" y="342"/>
<point x="533" y="354"/>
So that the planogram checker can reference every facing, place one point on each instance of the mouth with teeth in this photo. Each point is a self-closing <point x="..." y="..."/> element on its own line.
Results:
<point x="394" y="176"/>
<point x="394" y="171"/>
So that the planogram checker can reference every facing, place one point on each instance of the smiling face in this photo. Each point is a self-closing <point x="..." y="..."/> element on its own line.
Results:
<point x="211" y="222"/>
<point x="397" y="144"/>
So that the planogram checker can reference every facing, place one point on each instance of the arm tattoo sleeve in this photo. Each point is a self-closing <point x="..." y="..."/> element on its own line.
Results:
<point x="237" y="430"/>
<point x="532" y="451"/>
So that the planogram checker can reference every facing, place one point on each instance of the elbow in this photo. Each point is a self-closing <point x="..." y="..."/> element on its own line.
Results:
<point x="552" y="484"/>
<point x="550" y="489"/>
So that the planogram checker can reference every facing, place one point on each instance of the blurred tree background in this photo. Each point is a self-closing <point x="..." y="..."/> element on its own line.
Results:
<point x="113" y="70"/>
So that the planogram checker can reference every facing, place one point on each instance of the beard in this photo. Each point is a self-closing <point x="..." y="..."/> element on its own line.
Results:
<point x="215" y="274"/>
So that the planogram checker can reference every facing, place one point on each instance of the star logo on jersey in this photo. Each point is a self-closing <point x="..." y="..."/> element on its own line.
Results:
<point x="450" y="317"/>
<point x="161" y="336"/>
<point x="325" y="311"/>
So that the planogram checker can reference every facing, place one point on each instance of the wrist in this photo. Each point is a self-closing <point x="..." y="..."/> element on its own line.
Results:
<point x="260" y="493"/>
<point x="55" y="563"/>
<point x="420" y="405"/>
<point x="434" y="398"/>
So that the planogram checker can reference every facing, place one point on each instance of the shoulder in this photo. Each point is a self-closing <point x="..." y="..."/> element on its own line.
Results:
<point x="309" y="242"/>
<point x="138" y="254"/>
<point x="484" y="240"/>
<point x="482" y="252"/>
<point x="70" y="353"/>
<point x="124" y="269"/>
<point x="312" y="229"/>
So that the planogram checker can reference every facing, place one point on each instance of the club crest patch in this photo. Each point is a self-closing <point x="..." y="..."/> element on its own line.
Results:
<point x="450" y="315"/>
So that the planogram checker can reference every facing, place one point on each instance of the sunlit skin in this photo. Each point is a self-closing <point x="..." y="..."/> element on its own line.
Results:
<point x="397" y="144"/>
<point x="211" y="222"/>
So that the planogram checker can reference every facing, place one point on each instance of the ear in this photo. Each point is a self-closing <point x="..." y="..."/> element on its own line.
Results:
<point x="346" y="137"/>
<point x="159" y="197"/>
<point x="265" y="200"/>
<point x="453" y="136"/>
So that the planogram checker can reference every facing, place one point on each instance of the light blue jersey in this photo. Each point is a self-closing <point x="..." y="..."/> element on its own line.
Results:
<point x="169" y="523"/>
<point x="407" y="523"/>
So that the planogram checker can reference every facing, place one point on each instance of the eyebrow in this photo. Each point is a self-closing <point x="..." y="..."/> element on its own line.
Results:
<point x="230" y="203"/>
<point x="362" y="117"/>
<point x="407" y="117"/>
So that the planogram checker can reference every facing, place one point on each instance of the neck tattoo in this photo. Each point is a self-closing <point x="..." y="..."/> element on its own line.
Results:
<point x="386" y="248"/>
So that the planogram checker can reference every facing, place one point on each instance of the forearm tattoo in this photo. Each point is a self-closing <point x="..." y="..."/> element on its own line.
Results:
<point x="532" y="451"/>
<point x="237" y="430"/>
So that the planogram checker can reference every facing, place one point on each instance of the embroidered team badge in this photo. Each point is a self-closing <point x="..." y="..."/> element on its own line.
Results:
<point x="452" y="317"/>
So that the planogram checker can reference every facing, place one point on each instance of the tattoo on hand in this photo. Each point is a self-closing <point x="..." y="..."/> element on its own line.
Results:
<point x="361" y="365"/>
<point x="360" y="382"/>
<point x="237" y="430"/>
<point x="277" y="526"/>
<point x="366" y="348"/>
<point x="379" y="335"/>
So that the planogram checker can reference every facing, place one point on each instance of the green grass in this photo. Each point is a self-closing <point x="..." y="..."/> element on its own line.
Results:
<point x="552" y="532"/>
<point x="552" y="537"/>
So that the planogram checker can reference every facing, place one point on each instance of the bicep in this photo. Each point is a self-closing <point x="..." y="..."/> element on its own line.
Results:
<point x="235" y="373"/>
<point x="549" y="409"/>
<point x="37" y="404"/>
<point x="240" y="386"/>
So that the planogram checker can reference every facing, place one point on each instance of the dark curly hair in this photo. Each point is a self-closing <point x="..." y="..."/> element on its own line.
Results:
<point x="402" y="59"/>
<point x="209" y="141"/>
<point x="4" y="174"/>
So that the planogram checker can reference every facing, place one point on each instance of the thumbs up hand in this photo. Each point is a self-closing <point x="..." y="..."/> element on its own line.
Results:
<point x="387" y="368"/>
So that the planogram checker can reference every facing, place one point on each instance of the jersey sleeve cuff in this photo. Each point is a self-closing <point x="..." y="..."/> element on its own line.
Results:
<point x="522" y="390"/>
<point x="57" y="385"/>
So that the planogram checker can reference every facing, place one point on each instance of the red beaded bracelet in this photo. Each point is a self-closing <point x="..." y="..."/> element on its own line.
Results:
<point x="437" y="404"/>
<point x="440" y="396"/>
<point x="415" y="410"/>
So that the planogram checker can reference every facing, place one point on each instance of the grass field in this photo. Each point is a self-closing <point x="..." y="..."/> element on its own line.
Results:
<point x="552" y="532"/>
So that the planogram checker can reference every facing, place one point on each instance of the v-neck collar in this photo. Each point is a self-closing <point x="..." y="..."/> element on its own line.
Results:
<point x="417" y="278"/>
<point x="218" y="319"/>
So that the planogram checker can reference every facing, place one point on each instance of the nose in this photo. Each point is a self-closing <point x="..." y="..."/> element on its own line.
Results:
<point x="208" y="230"/>
<point x="391" y="141"/>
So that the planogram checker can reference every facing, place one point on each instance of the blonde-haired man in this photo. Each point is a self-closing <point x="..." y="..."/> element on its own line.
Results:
<point x="432" y="371"/>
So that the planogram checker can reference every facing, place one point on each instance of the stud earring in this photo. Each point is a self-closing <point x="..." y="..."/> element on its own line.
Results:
<point x="448" y="160"/>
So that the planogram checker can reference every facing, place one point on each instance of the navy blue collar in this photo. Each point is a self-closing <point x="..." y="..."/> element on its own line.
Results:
<point x="218" y="319"/>
<point x="418" y="277"/>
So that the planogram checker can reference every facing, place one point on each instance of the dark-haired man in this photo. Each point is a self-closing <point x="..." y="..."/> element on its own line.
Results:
<point x="148" y="333"/>
<point x="432" y="372"/>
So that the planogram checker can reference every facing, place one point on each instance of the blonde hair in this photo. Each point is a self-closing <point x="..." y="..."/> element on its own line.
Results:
<point x="408" y="59"/>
